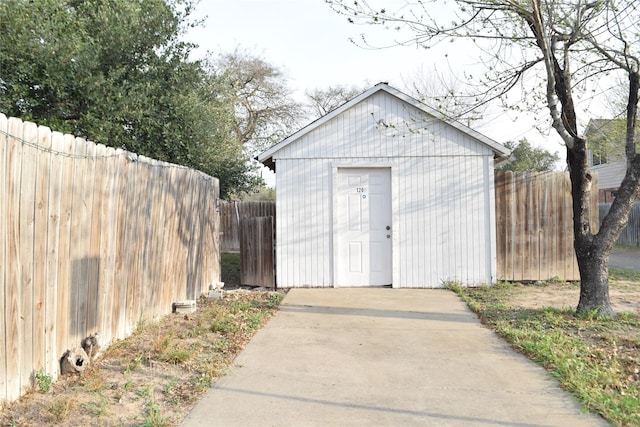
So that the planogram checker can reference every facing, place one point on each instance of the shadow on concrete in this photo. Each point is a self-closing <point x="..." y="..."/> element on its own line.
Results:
<point x="463" y="420"/>
<point x="371" y="312"/>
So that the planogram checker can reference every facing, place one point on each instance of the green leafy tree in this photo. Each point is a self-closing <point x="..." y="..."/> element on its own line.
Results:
<point x="116" y="72"/>
<point x="526" y="158"/>
<point x="556" y="51"/>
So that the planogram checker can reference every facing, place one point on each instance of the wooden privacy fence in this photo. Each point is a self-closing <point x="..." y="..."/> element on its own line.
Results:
<point x="630" y="236"/>
<point x="257" y="267"/>
<point x="92" y="239"/>
<point x="534" y="226"/>
<point x="231" y="213"/>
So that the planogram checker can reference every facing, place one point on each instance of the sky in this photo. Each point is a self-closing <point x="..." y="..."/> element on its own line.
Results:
<point x="311" y="44"/>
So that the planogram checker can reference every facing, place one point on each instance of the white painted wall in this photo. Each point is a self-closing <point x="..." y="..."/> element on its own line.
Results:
<point x="442" y="191"/>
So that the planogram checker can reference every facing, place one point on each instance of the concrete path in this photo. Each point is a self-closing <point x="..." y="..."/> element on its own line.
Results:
<point x="625" y="258"/>
<point x="382" y="357"/>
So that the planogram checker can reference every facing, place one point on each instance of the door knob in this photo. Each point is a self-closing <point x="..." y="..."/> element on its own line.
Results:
<point x="388" y="227"/>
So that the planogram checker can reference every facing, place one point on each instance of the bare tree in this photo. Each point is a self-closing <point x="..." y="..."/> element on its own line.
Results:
<point x="323" y="101"/>
<point x="265" y="112"/>
<point x="446" y="93"/>
<point x="567" y="47"/>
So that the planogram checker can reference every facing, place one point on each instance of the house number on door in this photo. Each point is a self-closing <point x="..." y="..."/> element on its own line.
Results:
<point x="360" y="189"/>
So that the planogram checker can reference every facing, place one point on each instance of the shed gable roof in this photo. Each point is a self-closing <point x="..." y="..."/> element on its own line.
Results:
<point x="500" y="152"/>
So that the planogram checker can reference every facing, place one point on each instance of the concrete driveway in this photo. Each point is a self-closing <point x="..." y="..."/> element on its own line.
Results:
<point x="382" y="357"/>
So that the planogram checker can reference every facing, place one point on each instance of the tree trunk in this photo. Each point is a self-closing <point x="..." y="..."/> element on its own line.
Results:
<point x="592" y="252"/>
<point x="593" y="264"/>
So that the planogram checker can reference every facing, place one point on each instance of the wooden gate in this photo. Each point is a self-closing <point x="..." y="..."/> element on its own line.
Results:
<point x="257" y="267"/>
<point x="230" y="215"/>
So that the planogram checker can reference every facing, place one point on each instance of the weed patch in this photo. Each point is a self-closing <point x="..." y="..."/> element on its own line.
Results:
<point x="60" y="408"/>
<point x="43" y="381"/>
<point x="153" y="377"/>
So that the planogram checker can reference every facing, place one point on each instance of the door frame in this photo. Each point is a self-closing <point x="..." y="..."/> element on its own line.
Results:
<point x="334" y="212"/>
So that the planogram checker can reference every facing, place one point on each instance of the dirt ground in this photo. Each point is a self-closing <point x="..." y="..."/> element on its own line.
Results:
<point x="624" y="295"/>
<point x="154" y="377"/>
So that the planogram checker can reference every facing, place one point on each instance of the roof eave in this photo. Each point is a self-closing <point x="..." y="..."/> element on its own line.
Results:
<point x="267" y="154"/>
<point x="501" y="153"/>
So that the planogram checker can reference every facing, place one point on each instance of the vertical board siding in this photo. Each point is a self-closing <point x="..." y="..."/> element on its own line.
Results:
<point x="442" y="231"/>
<point x="256" y="252"/>
<point x="92" y="239"/>
<point x="630" y="235"/>
<point x="448" y="207"/>
<point x="13" y="277"/>
<point x="535" y="226"/>
<point x="303" y="226"/>
<point x="440" y="201"/>
<point x="382" y="127"/>
<point x="40" y="351"/>
<point x="233" y="212"/>
<point x="3" y="257"/>
<point x="25" y="240"/>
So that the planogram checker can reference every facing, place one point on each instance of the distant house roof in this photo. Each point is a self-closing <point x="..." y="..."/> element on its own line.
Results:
<point x="501" y="153"/>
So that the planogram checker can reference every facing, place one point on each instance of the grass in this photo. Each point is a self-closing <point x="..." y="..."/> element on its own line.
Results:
<point x="628" y="248"/>
<point x="153" y="415"/>
<point x="225" y="325"/>
<point x="597" y="360"/>
<point x="230" y="268"/>
<point x="617" y="274"/>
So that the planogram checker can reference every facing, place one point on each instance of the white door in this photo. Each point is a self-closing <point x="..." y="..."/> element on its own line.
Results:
<point x="363" y="227"/>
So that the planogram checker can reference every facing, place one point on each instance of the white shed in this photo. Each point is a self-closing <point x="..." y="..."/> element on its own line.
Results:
<point x="384" y="191"/>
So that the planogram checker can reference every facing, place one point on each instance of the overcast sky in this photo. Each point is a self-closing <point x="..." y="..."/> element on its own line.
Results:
<point x="311" y="44"/>
<point x="305" y="38"/>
